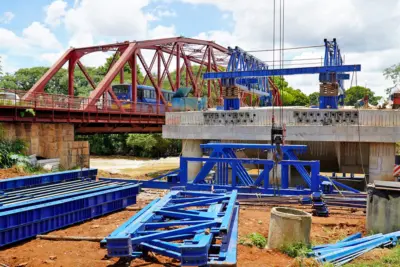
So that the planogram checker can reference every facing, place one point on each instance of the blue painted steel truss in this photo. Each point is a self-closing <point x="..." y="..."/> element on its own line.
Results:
<point x="197" y="228"/>
<point x="243" y="61"/>
<point x="231" y="174"/>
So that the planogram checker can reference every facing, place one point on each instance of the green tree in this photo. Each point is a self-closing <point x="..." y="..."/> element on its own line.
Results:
<point x="392" y="73"/>
<point x="355" y="93"/>
<point x="314" y="98"/>
<point x="290" y="96"/>
<point x="152" y="145"/>
<point x="1" y="68"/>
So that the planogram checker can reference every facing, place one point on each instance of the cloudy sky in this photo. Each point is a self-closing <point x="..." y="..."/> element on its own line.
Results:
<point x="35" y="33"/>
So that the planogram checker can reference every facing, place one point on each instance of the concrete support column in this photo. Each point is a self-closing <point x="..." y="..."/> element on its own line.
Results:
<point x="381" y="161"/>
<point x="191" y="148"/>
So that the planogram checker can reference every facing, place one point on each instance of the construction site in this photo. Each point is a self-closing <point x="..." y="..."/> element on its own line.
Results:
<point x="252" y="176"/>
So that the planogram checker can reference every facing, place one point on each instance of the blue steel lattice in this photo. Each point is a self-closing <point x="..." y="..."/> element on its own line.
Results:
<point x="183" y="225"/>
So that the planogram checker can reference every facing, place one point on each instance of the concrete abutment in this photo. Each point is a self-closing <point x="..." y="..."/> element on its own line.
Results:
<point x="50" y="141"/>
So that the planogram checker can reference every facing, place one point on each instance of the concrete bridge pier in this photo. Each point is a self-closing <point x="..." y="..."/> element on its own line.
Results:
<point x="381" y="161"/>
<point x="191" y="148"/>
<point x="49" y="140"/>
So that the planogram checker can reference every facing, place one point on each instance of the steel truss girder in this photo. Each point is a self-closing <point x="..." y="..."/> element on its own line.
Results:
<point x="190" y="50"/>
<point x="202" y="218"/>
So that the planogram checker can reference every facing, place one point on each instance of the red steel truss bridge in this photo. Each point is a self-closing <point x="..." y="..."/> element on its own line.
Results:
<point x="102" y="111"/>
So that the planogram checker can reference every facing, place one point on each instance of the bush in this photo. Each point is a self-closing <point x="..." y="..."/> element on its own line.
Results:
<point x="254" y="239"/>
<point x="296" y="250"/>
<point x="11" y="152"/>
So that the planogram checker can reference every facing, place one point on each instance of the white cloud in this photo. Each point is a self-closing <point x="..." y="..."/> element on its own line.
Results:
<point x="162" y="32"/>
<point x="366" y="31"/>
<point x="55" y="12"/>
<point x="104" y="18"/>
<point x="35" y="39"/>
<point x="6" y="65"/>
<point x="7" y="17"/>
<point x="40" y="36"/>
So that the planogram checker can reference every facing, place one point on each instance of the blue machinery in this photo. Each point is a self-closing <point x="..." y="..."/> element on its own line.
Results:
<point x="249" y="72"/>
<point x="197" y="228"/>
<point x="38" y="204"/>
<point x="230" y="172"/>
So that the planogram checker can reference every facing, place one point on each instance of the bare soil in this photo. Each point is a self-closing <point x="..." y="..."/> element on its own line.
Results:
<point x="82" y="253"/>
<point x="37" y="252"/>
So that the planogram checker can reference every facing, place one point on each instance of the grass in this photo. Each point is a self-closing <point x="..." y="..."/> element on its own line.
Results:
<point x="296" y="250"/>
<point x="390" y="260"/>
<point x="254" y="239"/>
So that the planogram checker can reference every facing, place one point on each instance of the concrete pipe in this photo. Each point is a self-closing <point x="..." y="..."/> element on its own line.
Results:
<point x="288" y="226"/>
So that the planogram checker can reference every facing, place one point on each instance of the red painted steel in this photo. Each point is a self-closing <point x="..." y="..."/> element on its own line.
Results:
<point x="99" y="106"/>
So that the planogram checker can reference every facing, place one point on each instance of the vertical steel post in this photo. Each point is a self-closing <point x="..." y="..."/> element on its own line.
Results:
<point x="159" y="82"/>
<point x="315" y="182"/>
<point x="178" y="65"/>
<point x="233" y="164"/>
<point x="284" y="176"/>
<point x="71" y="68"/>
<point x="121" y="75"/>
<point x="134" y="81"/>
<point x="266" y="176"/>
<point x="183" y="174"/>
<point x="208" y="81"/>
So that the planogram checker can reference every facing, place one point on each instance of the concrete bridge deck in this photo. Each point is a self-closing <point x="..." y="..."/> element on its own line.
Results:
<point x="302" y="124"/>
<point x="344" y="140"/>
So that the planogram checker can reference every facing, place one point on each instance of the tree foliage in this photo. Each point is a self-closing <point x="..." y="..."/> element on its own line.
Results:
<point x="290" y="96"/>
<point x="355" y="93"/>
<point x="314" y="98"/>
<point x="392" y="73"/>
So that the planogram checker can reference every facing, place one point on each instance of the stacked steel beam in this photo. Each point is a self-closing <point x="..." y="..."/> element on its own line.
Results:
<point x="37" y="204"/>
<point x="352" y="247"/>
<point x="197" y="228"/>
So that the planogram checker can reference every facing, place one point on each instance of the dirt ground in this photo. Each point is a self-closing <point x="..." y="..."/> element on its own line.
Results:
<point x="37" y="252"/>
<point x="82" y="253"/>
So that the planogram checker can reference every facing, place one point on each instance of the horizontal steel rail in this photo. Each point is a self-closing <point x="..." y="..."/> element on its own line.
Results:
<point x="277" y="72"/>
<point x="34" y="180"/>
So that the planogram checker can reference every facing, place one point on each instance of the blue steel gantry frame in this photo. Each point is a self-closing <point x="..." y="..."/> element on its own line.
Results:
<point x="240" y="73"/>
<point x="333" y="57"/>
<point x="231" y="174"/>
<point x="240" y="60"/>
<point x="197" y="228"/>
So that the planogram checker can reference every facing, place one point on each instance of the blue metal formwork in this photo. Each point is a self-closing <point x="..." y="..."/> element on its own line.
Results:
<point x="34" y="180"/>
<point x="26" y="212"/>
<point x="197" y="228"/>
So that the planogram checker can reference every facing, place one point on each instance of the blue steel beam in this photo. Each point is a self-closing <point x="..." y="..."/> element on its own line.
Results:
<point x="26" y="222"/>
<point x="278" y="72"/>
<point x="27" y="181"/>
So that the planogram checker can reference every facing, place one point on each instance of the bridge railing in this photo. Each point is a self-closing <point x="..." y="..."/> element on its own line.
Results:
<point x="14" y="98"/>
